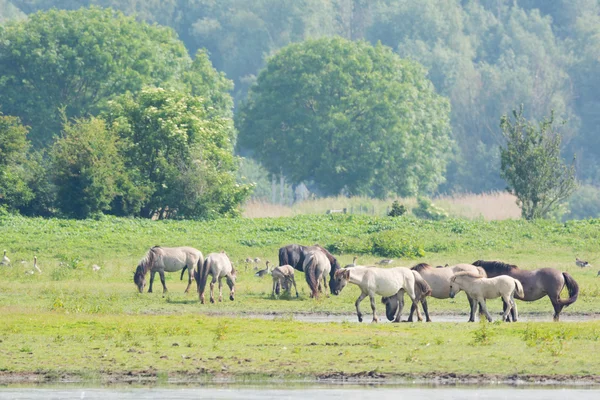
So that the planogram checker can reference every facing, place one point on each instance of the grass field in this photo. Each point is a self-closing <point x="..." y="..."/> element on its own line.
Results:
<point x="73" y="320"/>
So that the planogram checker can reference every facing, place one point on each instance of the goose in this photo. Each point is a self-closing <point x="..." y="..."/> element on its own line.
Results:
<point x="385" y="261"/>
<point x="35" y="265"/>
<point x="354" y="261"/>
<point x="581" y="263"/>
<point x="263" y="272"/>
<point x="5" y="260"/>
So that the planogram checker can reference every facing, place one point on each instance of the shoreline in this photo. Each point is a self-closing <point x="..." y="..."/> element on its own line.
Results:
<point x="181" y="378"/>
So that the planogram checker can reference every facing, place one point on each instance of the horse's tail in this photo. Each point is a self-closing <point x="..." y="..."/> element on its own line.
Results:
<point x="422" y="288"/>
<point x="519" y="289"/>
<point x="573" y="289"/>
<point x="201" y="274"/>
<point x="182" y="271"/>
<point x="310" y="273"/>
<point x="283" y="256"/>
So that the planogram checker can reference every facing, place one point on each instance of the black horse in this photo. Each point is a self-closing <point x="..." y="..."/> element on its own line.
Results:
<point x="294" y="255"/>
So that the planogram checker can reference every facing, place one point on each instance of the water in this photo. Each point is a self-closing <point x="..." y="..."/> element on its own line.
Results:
<point x="312" y="393"/>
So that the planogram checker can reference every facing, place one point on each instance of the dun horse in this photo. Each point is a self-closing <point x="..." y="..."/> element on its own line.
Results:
<point x="218" y="266"/>
<point x="480" y="289"/>
<point x="372" y="281"/>
<point x="283" y="276"/>
<point x="294" y="255"/>
<point x="537" y="283"/>
<point x="170" y="259"/>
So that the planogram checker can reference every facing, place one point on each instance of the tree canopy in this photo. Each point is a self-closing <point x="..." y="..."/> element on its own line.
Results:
<point x="348" y="116"/>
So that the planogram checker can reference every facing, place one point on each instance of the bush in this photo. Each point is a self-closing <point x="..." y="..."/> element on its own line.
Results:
<point x="397" y="209"/>
<point x="427" y="210"/>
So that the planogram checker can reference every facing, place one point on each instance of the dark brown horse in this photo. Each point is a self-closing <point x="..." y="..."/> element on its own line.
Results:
<point x="536" y="283"/>
<point x="294" y="255"/>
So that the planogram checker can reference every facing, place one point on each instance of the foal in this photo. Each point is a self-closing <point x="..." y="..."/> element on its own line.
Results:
<point x="480" y="289"/>
<point x="282" y="277"/>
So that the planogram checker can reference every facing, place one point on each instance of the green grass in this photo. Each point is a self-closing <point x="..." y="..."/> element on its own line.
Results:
<point x="69" y="317"/>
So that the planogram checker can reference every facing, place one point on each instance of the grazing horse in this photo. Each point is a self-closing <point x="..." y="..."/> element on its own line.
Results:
<point x="537" y="283"/>
<point x="218" y="266"/>
<point x="439" y="281"/>
<point x="170" y="259"/>
<point x="385" y="282"/>
<point x="283" y="276"/>
<point x="294" y="255"/>
<point x="480" y="289"/>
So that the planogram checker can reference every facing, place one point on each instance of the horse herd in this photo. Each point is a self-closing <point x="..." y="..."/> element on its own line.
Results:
<point x="480" y="280"/>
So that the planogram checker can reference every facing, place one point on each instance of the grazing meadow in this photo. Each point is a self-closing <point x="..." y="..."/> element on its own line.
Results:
<point x="71" y="320"/>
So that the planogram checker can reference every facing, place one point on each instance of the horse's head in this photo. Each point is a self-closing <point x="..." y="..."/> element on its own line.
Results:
<point x="339" y="281"/>
<point x="333" y="286"/>
<point x="391" y="307"/>
<point x="231" y="283"/>
<point x="139" y="278"/>
<point x="454" y="287"/>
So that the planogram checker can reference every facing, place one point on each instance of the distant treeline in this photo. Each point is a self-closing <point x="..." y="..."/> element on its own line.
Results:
<point x="485" y="56"/>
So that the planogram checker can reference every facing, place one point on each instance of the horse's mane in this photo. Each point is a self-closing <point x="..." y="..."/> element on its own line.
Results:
<point x="420" y="267"/>
<point x="146" y="262"/>
<point x="495" y="266"/>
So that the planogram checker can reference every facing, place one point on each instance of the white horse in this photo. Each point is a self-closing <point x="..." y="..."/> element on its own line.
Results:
<point x="385" y="282"/>
<point x="316" y="267"/>
<point x="170" y="259"/>
<point x="480" y="289"/>
<point x="283" y="276"/>
<point x="218" y="266"/>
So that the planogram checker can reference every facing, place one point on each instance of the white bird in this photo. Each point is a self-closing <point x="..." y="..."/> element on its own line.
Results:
<point x="5" y="260"/>
<point x="263" y="272"/>
<point x="95" y="268"/>
<point x="35" y="265"/>
<point x="385" y="261"/>
<point x="29" y="272"/>
<point x="581" y="263"/>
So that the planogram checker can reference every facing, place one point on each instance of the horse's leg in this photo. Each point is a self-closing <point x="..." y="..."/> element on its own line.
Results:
<point x="557" y="308"/>
<point x="162" y="280"/>
<point x="425" y="310"/>
<point x="295" y="288"/>
<point x="412" y="310"/>
<point x="212" y="289"/>
<point x="274" y="286"/>
<point x="190" y="273"/>
<point x="400" y="295"/>
<point x="473" y="305"/>
<point x="325" y="286"/>
<point x="515" y="313"/>
<point x="357" y="304"/>
<point x="372" y="298"/>
<point x="151" y="281"/>
<point x="484" y="310"/>
<point x="507" y="305"/>
<point x="220" y="289"/>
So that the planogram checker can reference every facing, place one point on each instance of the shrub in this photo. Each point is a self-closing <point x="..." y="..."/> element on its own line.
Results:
<point x="397" y="209"/>
<point x="427" y="210"/>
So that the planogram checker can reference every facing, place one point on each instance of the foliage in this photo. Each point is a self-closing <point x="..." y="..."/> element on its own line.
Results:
<point x="357" y="118"/>
<point x="397" y="209"/>
<point x="86" y="168"/>
<point x="427" y="210"/>
<point x="14" y="191"/>
<point x="76" y="60"/>
<point x="175" y="151"/>
<point x="532" y="166"/>
<point x="584" y="203"/>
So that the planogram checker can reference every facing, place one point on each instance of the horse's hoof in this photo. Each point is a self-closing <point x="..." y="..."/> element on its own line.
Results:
<point x="212" y="301"/>
<point x="359" y="318"/>
<point x="375" y="320"/>
<point x="231" y="298"/>
<point x="428" y="320"/>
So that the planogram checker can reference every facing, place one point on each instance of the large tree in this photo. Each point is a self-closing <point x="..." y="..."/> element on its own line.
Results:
<point x="76" y="60"/>
<point x="348" y="116"/>
<point x="183" y="157"/>
<point x="14" y="191"/>
<point x="532" y="165"/>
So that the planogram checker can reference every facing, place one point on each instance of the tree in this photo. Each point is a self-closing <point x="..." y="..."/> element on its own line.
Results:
<point x="86" y="167"/>
<point x="14" y="191"/>
<point x="350" y="117"/>
<point x="76" y="60"/>
<point x="532" y="166"/>
<point x="182" y="156"/>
